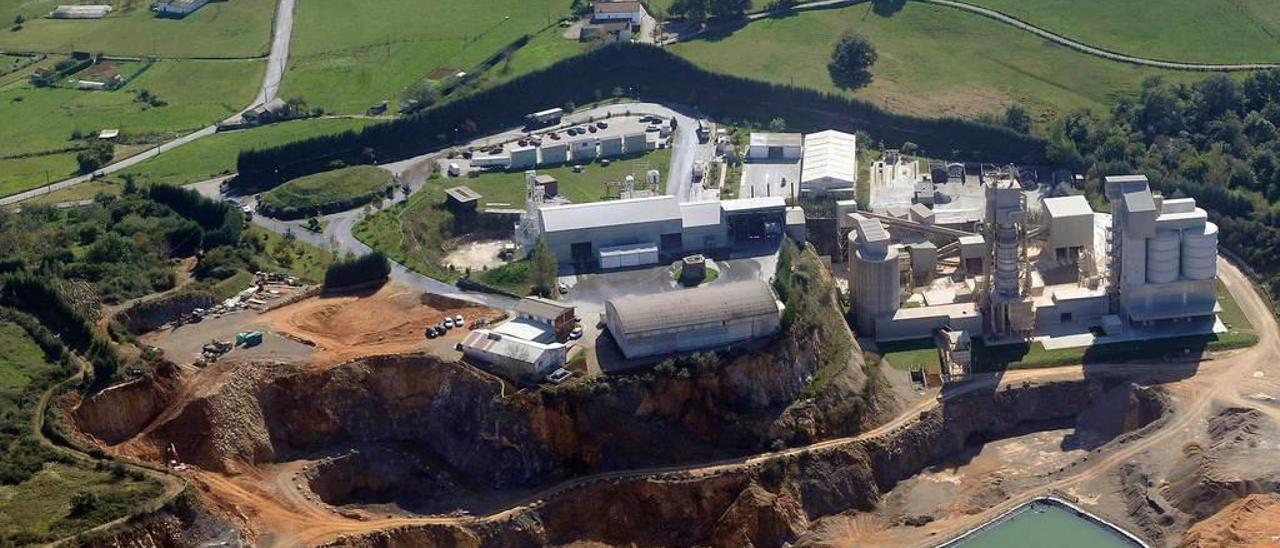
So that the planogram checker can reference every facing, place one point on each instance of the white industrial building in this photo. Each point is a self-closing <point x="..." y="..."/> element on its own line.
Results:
<point x="1070" y="227"/>
<point x="517" y="359"/>
<point x="830" y="162"/>
<point x="629" y="11"/>
<point x="1163" y="256"/>
<point x="644" y="231"/>
<point x="692" y="319"/>
<point x="95" y="11"/>
<point x="775" y="146"/>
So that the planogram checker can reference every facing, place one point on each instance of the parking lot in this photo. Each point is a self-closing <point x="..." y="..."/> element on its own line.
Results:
<point x="770" y="179"/>
<point x="656" y="130"/>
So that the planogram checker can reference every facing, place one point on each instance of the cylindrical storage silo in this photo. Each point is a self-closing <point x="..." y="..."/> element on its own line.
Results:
<point x="1162" y="257"/>
<point x="873" y="286"/>
<point x="1200" y="252"/>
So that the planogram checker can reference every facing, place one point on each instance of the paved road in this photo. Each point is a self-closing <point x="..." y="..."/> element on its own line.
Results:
<point x="276" y="62"/>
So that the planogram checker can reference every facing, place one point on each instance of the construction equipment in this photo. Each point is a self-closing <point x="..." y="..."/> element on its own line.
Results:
<point x="249" y="339"/>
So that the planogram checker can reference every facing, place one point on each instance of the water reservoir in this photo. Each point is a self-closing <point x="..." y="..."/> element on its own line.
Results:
<point x="1046" y="523"/>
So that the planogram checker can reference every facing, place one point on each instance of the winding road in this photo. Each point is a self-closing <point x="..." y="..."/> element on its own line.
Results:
<point x="297" y="520"/>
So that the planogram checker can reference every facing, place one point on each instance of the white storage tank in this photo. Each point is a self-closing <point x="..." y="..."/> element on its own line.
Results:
<point x="1200" y="252"/>
<point x="1163" y="264"/>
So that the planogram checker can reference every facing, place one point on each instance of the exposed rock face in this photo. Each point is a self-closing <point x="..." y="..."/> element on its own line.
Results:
<point x="121" y="411"/>
<point x="150" y="315"/>
<point x="772" y="504"/>
<point x="258" y="413"/>
<point x="180" y="527"/>
<point x="1238" y="461"/>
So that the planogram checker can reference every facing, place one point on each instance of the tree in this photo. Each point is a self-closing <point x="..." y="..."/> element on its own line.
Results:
<point x="543" y="268"/>
<point x="777" y="125"/>
<point x="1017" y="118"/>
<point x="83" y="503"/>
<point x="851" y="61"/>
<point x="98" y="154"/>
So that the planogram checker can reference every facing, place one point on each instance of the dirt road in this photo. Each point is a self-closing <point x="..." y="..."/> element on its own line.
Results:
<point x="288" y="517"/>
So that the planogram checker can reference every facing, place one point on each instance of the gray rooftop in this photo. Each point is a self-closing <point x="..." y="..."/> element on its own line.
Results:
<point x="462" y="194"/>
<point x="640" y="314"/>
<point x="653" y="209"/>
<point x="705" y="213"/>
<point x="539" y="307"/>
<point x="752" y="204"/>
<point x="1140" y="201"/>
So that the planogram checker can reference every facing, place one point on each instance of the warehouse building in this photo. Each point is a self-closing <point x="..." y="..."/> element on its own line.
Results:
<point x="96" y="11"/>
<point x="554" y="316"/>
<point x="830" y="162"/>
<point x="179" y="8"/>
<point x="644" y="231"/>
<point x="693" y="319"/>
<point x="516" y="359"/>
<point x="774" y="146"/>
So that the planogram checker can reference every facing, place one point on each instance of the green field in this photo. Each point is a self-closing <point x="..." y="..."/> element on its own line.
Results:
<point x="418" y="233"/>
<point x="37" y="507"/>
<point x="934" y="61"/>
<point x="329" y="187"/>
<point x="216" y="155"/>
<point x="347" y="55"/>
<point x="230" y="29"/>
<point x="39" y="122"/>
<point x="1214" y="31"/>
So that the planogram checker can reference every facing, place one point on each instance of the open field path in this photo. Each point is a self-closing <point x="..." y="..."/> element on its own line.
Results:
<point x="1214" y="380"/>
<point x="1008" y="20"/>
<point x="276" y="61"/>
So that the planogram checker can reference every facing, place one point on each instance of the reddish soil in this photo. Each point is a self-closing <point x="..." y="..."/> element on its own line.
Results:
<point x="391" y="321"/>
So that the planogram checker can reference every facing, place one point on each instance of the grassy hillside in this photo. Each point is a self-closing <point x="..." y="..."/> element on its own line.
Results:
<point x="41" y="121"/>
<point x="934" y="61"/>
<point x="234" y="28"/>
<point x="341" y="186"/>
<point x="36" y="487"/>
<point x="216" y="155"/>
<point x="1185" y="30"/>
<point x="380" y="48"/>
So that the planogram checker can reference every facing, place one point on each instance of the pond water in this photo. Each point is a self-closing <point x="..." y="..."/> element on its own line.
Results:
<point x="1043" y="524"/>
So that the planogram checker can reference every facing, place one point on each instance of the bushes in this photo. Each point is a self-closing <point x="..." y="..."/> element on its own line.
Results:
<point x="646" y="73"/>
<point x="327" y="192"/>
<point x="365" y="269"/>
<point x="40" y="298"/>
<point x="220" y="222"/>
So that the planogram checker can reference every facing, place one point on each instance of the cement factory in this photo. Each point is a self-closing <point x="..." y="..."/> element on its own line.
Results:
<point x="1059" y="273"/>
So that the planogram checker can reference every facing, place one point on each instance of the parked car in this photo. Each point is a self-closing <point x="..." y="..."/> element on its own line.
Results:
<point x="576" y="333"/>
<point x="447" y="323"/>
<point x="563" y="287"/>
<point x="432" y="333"/>
<point x="457" y="320"/>
<point x="602" y="124"/>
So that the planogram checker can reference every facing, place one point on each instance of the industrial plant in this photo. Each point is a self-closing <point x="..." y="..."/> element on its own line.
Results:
<point x="1049" y="270"/>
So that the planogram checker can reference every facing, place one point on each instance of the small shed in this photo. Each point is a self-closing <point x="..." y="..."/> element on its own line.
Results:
<point x="550" y="186"/>
<point x="461" y="198"/>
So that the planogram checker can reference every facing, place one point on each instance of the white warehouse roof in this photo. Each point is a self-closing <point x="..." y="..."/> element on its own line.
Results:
<point x="611" y="213"/>
<point x="830" y="154"/>
<point x="507" y="346"/>
<point x="776" y="139"/>
<point x="704" y="213"/>
<point x="674" y="310"/>
<point x="1067" y="206"/>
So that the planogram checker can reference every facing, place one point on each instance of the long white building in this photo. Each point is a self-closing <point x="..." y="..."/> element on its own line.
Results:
<point x="693" y="319"/>
<point x="830" y="162"/>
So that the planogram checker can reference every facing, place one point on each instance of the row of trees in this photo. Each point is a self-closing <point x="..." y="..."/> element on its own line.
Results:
<point x="633" y="70"/>
<point x="354" y="271"/>
<point x="42" y="298"/>
<point x="1215" y="140"/>
<point x="698" y="10"/>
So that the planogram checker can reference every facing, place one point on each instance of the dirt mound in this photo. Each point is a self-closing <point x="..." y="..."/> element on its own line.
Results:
<point x="390" y="321"/>
<point x="1236" y="463"/>
<point x="1250" y="521"/>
